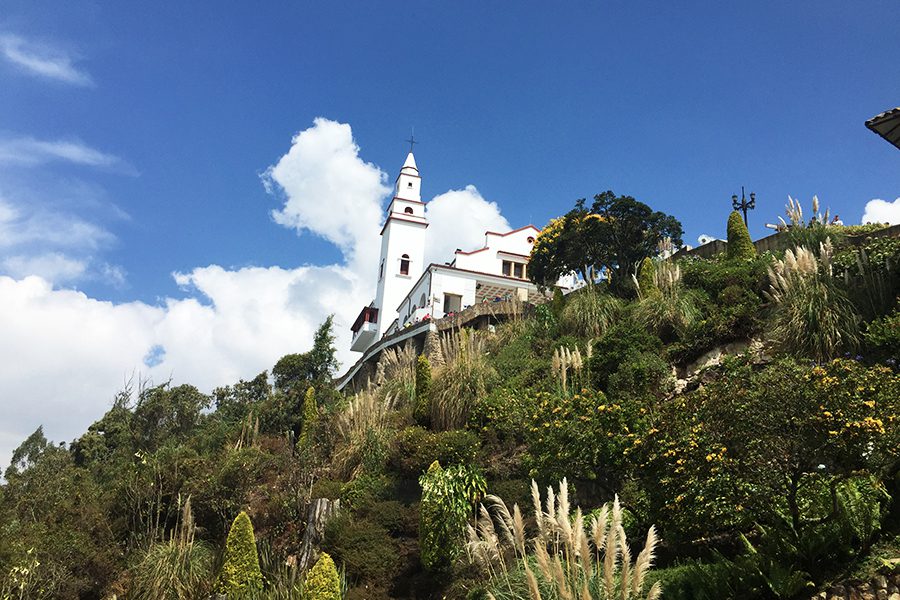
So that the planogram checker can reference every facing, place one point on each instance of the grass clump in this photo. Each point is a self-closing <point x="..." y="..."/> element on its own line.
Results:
<point x="567" y="558"/>
<point x="589" y="312"/>
<point x="461" y="381"/>
<point x="812" y="317"/>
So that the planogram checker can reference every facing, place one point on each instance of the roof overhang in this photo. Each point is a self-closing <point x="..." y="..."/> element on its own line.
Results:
<point x="887" y="125"/>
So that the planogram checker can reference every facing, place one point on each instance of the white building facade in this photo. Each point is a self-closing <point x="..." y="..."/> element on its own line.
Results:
<point x="410" y="292"/>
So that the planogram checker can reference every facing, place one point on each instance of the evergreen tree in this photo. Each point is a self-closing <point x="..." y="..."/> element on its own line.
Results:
<point x="240" y="570"/>
<point x="740" y="245"/>
<point x="310" y="417"/>
<point x="322" y="581"/>
<point x="646" y="284"/>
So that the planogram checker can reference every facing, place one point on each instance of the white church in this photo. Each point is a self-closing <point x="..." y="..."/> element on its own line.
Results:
<point x="410" y="293"/>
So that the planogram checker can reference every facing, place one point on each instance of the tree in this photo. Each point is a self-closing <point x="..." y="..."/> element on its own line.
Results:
<point x="645" y="280"/>
<point x="293" y="372"/>
<point x="614" y="236"/>
<point x="310" y="417"/>
<point x="240" y="569"/>
<point x="322" y="581"/>
<point x="740" y="246"/>
<point x="423" y="387"/>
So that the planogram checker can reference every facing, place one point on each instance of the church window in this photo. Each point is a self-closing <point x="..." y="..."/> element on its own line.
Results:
<point x="404" y="264"/>
<point x="422" y="301"/>
<point x="408" y="210"/>
<point x="381" y="270"/>
<point x="530" y="240"/>
<point x="409" y="185"/>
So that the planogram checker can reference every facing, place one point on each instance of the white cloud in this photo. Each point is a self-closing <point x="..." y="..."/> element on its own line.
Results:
<point x="64" y="354"/>
<point x="329" y="190"/>
<point x="42" y="60"/>
<point x="882" y="211"/>
<point x="29" y="152"/>
<point x="458" y="219"/>
<point x="52" y="266"/>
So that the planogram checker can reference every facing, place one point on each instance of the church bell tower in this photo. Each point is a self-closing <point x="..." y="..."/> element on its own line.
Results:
<point x="402" y="245"/>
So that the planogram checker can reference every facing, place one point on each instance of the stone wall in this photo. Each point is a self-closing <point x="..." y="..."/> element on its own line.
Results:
<point x="880" y="587"/>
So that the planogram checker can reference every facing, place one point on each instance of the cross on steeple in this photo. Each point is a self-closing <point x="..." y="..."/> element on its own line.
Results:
<point x="412" y="140"/>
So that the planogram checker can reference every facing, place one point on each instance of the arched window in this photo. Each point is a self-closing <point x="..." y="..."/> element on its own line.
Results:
<point x="422" y="301"/>
<point x="408" y="210"/>
<point x="404" y="264"/>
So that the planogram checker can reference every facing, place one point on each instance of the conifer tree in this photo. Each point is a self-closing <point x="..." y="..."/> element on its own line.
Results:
<point x="646" y="284"/>
<point x="740" y="245"/>
<point x="310" y="417"/>
<point x="322" y="581"/>
<point x="240" y="570"/>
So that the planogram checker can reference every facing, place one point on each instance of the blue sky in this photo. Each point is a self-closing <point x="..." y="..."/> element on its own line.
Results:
<point x="133" y="138"/>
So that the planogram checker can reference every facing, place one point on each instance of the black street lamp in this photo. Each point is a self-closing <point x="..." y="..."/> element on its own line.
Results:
<point x="743" y="205"/>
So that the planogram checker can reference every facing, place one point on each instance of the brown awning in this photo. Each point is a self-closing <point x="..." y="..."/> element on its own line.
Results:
<point x="887" y="125"/>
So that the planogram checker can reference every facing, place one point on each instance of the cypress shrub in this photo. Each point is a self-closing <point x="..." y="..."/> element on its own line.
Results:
<point x="322" y="581"/>
<point x="740" y="246"/>
<point x="240" y="570"/>
<point x="310" y="417"/>
<point x="645" y="281"/>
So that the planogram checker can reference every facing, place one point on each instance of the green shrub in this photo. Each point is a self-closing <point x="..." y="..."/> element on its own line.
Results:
<point x="240" y="568"/>
<point x="740" y="246"/>
<point x="589" y="312"/>
<point x="622" y="340"/>
<point x="322" y="581"/>
<point x="882" y="339"/>
<point x="717" y="273"/>
<point x="327" y="488"/>
<point x="447" y="500"/>
<point x="394" y="517"/>
<point x="646" y="282"/>
<point x="364" y="548"/>
<point x="641" y="375"/>
<point x="415" y="448"/>
<point x="586" y="436"/>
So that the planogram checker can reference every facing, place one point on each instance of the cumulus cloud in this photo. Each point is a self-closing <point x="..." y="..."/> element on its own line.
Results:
<point x="458" y="219"/>
<point x="882" y="211"/>
<point x="42" y="60"/>
<point x="65" y="354"/>
<point x="29" y="152"/>
<point x="329" y="190"/>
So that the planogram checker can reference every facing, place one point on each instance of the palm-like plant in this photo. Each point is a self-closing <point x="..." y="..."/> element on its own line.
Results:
<point x="566" y="559"/>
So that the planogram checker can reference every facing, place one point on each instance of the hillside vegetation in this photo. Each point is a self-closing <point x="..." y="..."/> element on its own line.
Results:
<point x="602" y="445"/>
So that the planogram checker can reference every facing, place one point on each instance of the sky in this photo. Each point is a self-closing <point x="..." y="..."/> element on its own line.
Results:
<point x="188" y="189"/>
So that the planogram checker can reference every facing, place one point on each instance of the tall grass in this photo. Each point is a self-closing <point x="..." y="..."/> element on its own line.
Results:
<point x="396" y="374"/>
<point x="667" y="308"/>
<point x="566" y="559"/>
<point x="812" y="315"/>
<point x="366" y="413"/>
<point x="460" y="381"/>
<point x="178" y="569"/>
<point x="589" y="312"/>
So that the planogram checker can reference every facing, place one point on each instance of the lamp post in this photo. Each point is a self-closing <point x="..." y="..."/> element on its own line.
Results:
<point x="743" y="204"/>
